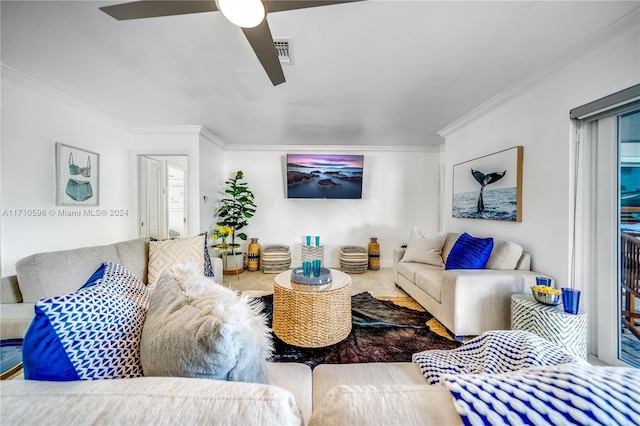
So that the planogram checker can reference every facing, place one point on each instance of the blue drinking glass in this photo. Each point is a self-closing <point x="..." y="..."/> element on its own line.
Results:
<point x="306" y="268"/>
<point x="571" y="300"/>
<point x="316" y="268"/>
<point x="545" y="281"/>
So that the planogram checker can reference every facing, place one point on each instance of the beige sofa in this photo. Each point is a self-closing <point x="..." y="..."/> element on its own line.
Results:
<point x="290" y="397"/>
<point x="376" y="393"/>
<point x="467" y="302"/>
<point x="354" y="394"/>
<point x="45" y="275"/>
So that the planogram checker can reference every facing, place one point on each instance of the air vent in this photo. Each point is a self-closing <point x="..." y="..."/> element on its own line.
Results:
<point x="283" y="47"/>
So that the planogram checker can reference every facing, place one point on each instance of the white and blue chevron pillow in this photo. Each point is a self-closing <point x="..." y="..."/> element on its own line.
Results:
<point x="567" y="394"/>
<point x="93" y="333"/>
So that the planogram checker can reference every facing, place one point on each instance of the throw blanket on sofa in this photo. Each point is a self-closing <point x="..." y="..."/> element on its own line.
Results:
<point x="492" y="352"/>
<point x="566" y="394"/>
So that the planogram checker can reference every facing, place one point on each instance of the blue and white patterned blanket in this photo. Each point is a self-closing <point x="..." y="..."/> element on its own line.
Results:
<point x="567" y="394"/>
<point x="492" y="352"/>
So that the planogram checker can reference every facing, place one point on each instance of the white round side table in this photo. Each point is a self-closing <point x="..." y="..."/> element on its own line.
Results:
<point x="567" y="331"/>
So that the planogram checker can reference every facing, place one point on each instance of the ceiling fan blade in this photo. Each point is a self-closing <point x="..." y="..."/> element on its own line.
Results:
<point x="261" y="41"/>
<point x="282" y="5"/>
<point x="152" y="9"/>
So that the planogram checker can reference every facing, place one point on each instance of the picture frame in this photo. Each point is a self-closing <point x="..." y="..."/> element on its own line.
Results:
<point x="489" y="187"/>
<point x="77" y="176"/>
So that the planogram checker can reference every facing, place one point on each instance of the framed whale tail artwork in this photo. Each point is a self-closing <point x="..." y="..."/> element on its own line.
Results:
<point x="489" y="187"/>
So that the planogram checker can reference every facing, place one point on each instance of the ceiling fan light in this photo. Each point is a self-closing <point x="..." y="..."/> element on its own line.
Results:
<point x="243" y="13"/>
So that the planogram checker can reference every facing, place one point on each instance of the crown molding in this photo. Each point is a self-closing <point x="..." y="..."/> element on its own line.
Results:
<point x="211" y="137"/>
<point x="334" y="148"/>
<point x="608" y="35"/>
<point x="12" y="76"/>
<point x="165" y="130"/>
<point x="190" y="130"/>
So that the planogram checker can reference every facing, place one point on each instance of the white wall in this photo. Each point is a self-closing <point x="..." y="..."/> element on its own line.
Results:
<point x="33" y="120"/>
<point x="35" y="117"/>
<point x="539" y="120"/>
<point x="211" y="178"/>
<point x="400" y="189"/>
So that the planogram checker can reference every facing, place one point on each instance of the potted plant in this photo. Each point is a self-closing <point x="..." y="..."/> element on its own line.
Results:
<point x="236" y="208"/>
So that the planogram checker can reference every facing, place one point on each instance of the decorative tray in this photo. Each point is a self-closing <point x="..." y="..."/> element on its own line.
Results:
<point x="297" y="276"/>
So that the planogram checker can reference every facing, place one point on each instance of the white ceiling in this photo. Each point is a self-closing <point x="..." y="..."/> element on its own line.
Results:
<point x="371" y="73"/>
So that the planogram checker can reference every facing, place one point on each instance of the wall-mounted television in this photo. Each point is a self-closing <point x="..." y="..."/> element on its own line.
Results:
<point x="324" y="176"/>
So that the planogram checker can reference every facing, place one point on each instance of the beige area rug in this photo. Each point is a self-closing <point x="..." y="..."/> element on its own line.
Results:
<point x="379" y="284"/>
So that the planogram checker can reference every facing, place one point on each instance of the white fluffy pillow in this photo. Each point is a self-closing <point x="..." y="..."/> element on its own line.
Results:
<point x="197" y="328"/>
<point x="425" y="249"/>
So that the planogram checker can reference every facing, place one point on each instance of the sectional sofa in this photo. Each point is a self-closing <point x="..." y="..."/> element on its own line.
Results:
<point x="288" y="398"/>
<point x="376" y="393"/>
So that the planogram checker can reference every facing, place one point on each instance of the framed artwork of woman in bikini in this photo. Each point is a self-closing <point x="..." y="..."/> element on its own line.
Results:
<point x="77" y="173"/>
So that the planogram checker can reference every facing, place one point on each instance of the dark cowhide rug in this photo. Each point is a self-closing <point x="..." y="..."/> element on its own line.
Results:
<point x="382" y="332"/>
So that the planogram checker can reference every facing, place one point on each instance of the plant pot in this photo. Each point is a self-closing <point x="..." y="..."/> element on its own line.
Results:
<point x="233" y="264"/>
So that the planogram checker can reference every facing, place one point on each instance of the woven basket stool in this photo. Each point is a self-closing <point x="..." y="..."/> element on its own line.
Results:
<point x="312" y="316"/>
<point x="354" y="259"/>
<point x="275" y="259"/>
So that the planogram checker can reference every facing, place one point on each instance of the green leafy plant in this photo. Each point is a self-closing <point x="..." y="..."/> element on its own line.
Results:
<point x="237" y="206"/>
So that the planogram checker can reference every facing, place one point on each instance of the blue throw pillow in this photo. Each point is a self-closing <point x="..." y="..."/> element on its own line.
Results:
<point x="469" y="253"/>
<point x="93" y="333"/>
<point x="208" y="267"/>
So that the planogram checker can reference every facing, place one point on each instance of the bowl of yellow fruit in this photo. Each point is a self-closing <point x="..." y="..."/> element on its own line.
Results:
<point x="545" y="294"/>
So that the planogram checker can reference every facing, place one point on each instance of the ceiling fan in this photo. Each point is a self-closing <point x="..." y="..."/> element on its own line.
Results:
<point x="250" y="15"/>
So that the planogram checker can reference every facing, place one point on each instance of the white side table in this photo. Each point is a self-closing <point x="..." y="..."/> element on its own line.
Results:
<point x="565" y="330"/>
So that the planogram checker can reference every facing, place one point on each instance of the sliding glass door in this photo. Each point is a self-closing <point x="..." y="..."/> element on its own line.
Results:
<point x="629" y="236"/>
<point x="607" y="220"/>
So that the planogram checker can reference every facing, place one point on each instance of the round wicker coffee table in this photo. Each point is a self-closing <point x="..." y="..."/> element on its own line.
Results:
<point x="312" y="316"/>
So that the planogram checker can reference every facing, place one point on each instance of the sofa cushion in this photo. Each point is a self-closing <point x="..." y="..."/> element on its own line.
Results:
<point x="505" y="255"/>
<point x="45" y="275"/>
<point x="93" y="333"/>
<point x="410" y="269"/>
<point x="449" y="241"/>
<point x="430" y="281"/>
<point x="134" y="255"/>
<point x="389" y="404"/>
<point x="197" y="328"/>
<point x="328" y="376"/>
<point x="147" y="401"/>
<point x="424" y="249"/>
<point x="469" y="253"/>
<point x="167" y="253"/>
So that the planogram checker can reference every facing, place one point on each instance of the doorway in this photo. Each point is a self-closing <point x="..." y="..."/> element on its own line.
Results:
<point x="163" y="196"/>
